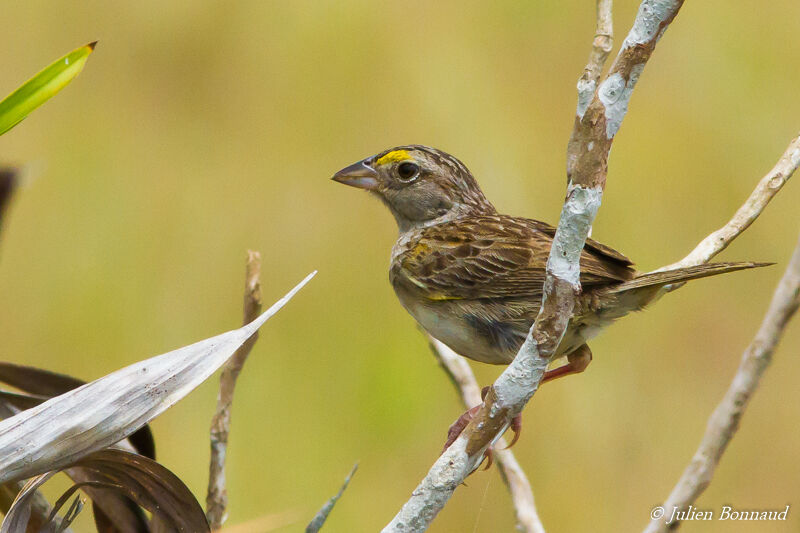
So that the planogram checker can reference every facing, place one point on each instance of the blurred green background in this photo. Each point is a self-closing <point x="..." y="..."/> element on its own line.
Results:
<point x="201" y="129"/>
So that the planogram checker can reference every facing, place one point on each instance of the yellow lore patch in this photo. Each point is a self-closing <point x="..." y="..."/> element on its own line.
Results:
<point x="392" y="157"/>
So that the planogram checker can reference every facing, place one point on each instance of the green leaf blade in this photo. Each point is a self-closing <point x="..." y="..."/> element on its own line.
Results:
<point x="43" y="86"/>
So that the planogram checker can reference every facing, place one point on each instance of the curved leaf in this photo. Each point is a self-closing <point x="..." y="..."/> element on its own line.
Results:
<point x="61" y="430"/>
<point x="127" y="516"/>
<point x="149" y="484"/>
<point x="42" y="87"/>
<point x="41" y="385"/>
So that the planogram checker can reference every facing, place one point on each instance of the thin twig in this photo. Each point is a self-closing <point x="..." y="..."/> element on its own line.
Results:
<point x="460" y="374"/>
<point x="724" y="422"/>
<point x="766" y="189"/>
<point x="587" y="165"/>
<point x="319" y="520"/>
<point x="217" y="499"/>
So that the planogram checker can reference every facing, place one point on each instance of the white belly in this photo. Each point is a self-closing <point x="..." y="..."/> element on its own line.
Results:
<point x="445" y="322"/>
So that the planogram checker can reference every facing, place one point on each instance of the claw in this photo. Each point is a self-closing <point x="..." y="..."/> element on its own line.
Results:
<point x="516" y="427"/>
<point x="489" y="458"/>
<point x="459" y="426"/>
<point x="463" y="421"/>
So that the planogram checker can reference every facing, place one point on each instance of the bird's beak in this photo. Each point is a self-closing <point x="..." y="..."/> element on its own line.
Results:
<point x="358" y="175"/>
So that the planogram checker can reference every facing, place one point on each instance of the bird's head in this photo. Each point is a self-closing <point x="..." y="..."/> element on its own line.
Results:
<point x="420" y="185"/>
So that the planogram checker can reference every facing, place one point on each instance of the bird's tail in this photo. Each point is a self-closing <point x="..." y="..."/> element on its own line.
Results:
<point x="680" y="275"/>
<point x="618" y="300"/>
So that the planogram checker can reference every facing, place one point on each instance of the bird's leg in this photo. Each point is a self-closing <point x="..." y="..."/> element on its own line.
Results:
<point x="577" y="361"/>
<point x="461" y="423"/>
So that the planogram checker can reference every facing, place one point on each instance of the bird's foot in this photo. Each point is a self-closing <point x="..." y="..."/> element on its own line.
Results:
<point x="463" y="421"/>
<point x="457" y="427"/>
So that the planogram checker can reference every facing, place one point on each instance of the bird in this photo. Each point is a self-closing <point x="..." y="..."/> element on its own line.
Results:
<point x="473" y="278"/>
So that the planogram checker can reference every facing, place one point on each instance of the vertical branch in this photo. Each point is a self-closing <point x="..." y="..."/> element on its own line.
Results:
<point x="460" y="373"/>
<point x="217" y="498"/>
<point x="587" y="165"/>
<point x="601" y="47"/>
<point x="724" y="422"/>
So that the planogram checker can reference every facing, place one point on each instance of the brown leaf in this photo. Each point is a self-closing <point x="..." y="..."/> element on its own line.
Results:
<point x="144" y="481"/>
<point x="44" y="384"/>
<point x="18" y="401"/>
<point x="127" y="516"/>
<point x="36" y="380"/>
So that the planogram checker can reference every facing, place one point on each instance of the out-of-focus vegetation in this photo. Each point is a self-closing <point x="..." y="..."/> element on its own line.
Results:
<point x="203" y="129"/>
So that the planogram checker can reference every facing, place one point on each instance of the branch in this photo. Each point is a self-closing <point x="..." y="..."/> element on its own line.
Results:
<point x="460" y="373"/>
<point x="587" y="165"/>
<point x="217" y="498"/>
<point x="766" y="189"/>
<point x="726" y="417"/>
<point x="601" y="47"/>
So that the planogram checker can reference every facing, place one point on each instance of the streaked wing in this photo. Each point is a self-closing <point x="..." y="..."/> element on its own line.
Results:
<point x="495" y="257"/>
<point x="601" y="249"/>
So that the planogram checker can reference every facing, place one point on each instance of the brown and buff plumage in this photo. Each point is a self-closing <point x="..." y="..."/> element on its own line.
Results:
<point x="473" y="278"/>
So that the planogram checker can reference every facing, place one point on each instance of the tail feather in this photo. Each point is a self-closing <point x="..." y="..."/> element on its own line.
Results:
<point x="680" y="275"/>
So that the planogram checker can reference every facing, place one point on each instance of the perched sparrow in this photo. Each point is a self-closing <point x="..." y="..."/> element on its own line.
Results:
<point x="473" y="278"/>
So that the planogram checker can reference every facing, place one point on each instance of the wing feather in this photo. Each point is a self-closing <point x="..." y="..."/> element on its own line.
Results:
<point x="495" y="257"/>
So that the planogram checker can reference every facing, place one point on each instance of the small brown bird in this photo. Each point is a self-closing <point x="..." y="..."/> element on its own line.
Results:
<point x="473" y="278"/>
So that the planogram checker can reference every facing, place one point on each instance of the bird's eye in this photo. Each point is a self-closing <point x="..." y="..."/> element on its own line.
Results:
<point x="407" y="170"/>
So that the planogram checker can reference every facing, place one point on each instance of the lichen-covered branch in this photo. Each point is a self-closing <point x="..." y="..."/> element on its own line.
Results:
<point x="766" y="189"/>
<point x="601" y="47"/>
<point x="724" y="422"/>
<point x="217" y="498"/>
<point x="587" y="164"/>
<point x="599" y="118"/>
<point x="460" y="373"/>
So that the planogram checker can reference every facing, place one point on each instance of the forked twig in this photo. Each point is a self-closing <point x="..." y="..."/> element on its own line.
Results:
<point x="602" y="44"/>
<point x="587" y="165"/>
